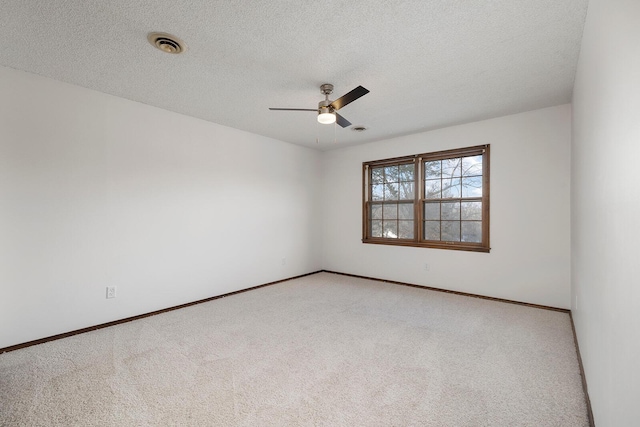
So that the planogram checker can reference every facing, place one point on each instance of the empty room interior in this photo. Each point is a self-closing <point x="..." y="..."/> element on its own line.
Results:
<point x="320" y="213"/>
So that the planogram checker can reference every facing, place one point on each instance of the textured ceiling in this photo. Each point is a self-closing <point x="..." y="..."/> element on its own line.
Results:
<point x="427" y="63"/>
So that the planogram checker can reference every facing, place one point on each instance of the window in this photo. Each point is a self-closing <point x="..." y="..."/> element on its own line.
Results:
<point x="433" y="200"/>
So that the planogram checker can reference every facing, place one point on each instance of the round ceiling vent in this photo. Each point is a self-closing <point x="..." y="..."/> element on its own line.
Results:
<point x="167" y="43"/>
<point x="358" y="128"/>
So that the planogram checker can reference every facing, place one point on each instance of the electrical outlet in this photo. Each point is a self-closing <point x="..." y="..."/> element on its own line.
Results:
<point x="111" y="291"/>
<point x="426" y="267"/>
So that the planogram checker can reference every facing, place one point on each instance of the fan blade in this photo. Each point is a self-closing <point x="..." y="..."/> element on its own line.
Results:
<point x="342" y="121"/>
<point x="293" y="109"/>
<point x="349" y="97"/>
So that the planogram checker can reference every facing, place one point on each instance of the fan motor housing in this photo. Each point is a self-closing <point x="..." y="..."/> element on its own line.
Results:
<point x="325" y="106"/>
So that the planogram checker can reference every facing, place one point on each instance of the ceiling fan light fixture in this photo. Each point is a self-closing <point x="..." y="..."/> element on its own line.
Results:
<point x="327" y="109"/>
<point x="326" y="116"/>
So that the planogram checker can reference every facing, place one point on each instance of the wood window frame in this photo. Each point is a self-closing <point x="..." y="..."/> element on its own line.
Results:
<point x="418" y="160"/>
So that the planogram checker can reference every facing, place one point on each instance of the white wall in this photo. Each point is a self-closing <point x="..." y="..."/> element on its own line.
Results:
<point x="96" y="190"/>
<point x="606" y="209"/>
<point x="530" y="240"/>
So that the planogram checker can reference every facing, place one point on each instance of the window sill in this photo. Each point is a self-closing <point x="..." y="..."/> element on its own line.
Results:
<point x="443" y="245"/>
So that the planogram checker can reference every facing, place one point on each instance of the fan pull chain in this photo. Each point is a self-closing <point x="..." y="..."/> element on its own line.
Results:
<point x="334" y="131"/>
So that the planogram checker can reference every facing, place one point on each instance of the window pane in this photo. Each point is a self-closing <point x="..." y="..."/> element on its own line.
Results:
<point x="451" y="167"/>
<point x="472" y="187"/>
<point x="432" y="211"/>
<point x="451" y="210"/>
<point x="405" y="211"/>
<point x="391" y="174"/>
<point x="451" y="188"/>
<point x="432" y="230"/>
<point x="390" y="229"/>
<point x="432" y="170"/>
<point x="451" y="231"/>
<point x="405" y="229"/>
<point x="472" y="165"/>
<point x="406" y="190"/>
<point x="376" y="228"/>
<point x="472" y="231"/>
<point x="390" y="211"/>
<point x="376" y="212"/>
<point x="391" y="191"/>
<point x="377" y="192"/>
<point x="471" y="211"/>
<point x="407" y="173"/>
<point x="432" y="189"/>
<point x="377" y="175"/>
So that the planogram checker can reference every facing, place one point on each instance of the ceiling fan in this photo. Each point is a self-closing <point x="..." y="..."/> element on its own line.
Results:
<point x="327" y="109"/>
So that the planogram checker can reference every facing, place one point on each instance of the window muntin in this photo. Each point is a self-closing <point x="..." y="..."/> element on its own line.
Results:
<point x="431" y="200"/>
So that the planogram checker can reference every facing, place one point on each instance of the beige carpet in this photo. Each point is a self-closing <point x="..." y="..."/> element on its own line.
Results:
<point x="325" y="350"/>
